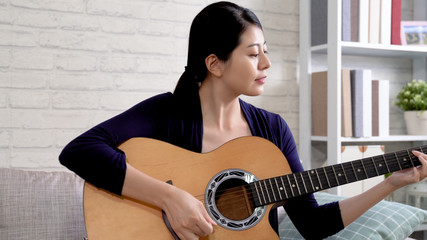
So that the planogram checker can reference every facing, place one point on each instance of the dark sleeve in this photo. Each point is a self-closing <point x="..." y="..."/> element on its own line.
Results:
<point x="95" y="156"/>
<point x="313" y="221"/>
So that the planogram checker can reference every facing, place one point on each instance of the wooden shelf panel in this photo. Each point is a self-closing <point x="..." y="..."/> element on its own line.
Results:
<point x="391" y="138"/>
<point x="368" y="49"/>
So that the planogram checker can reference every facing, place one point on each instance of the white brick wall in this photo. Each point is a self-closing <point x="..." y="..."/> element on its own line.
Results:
<point x="67" y="65"/>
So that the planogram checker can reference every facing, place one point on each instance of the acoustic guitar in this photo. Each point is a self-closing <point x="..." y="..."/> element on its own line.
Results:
<point x="239" y="184"/>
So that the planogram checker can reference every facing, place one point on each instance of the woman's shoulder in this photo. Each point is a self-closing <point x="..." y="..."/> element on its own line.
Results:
<point x="160" y="98"/>
<point x="156" y="101"/>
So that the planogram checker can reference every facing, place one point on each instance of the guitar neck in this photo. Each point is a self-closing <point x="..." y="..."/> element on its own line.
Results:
<point x="280" y="188"/>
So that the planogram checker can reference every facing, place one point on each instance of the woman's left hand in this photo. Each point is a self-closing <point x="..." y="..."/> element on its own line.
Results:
<point x="410" y="175"/>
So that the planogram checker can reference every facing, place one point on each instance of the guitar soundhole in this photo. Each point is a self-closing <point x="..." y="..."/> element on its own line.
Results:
<point x="233" y="201"/>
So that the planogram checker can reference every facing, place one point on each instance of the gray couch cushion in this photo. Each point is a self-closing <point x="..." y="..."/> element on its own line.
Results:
<point x="41" y="205"/>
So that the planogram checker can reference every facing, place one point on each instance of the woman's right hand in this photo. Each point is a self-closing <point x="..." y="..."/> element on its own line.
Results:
<point x="187" y="215"/>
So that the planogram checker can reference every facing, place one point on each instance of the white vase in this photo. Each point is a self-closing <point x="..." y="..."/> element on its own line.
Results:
<point x="416" y="122"/>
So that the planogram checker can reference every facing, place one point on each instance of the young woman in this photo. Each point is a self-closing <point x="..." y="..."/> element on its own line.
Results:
<point x="227" y="57"/>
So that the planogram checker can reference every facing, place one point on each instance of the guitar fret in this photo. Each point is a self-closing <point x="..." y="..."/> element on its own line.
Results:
<point x="393" y="162"/>
<point x="386" y="164"/>
<point x="370" y="171"/>
<point x="290" y="185"/>
<point x="360" y="173"/>
<point x="327" y="179"/>
<point x="343" y="171"/>
<point x="262" y="192"/>
<point x="412" y="162"/>
<point x="311" y="181"/>
<point x="266" y="189"/>
<point x="375" y="166"/>
<point x="278" y="189"/>
<point x="354" y="170"/>
<point x="257" y="192"/>
<point x="335" y="175"/>
<point x="284" y="188"/>
<point x="405" y="161"/>
<point x="303" y="182"/>
<point x="320" y="182"/>
<point x="252" y="190"/>
<point x="380" y="165"/>
<point x="339" y="175"/>
<point x="347" y="167"/>
<point x="398" y="162"/>
<point x="364" y="169"/>
<point x="296" y="183"/>
<point x="272" y="190"/>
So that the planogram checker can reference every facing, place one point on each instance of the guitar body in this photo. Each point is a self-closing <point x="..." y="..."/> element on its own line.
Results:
<point x="109" y="216"/>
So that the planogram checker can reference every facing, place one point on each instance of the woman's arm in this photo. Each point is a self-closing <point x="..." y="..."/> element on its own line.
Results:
<point x="94" y="155"/>
<point x="352" y="208"/>
<point x="187" y="215"/>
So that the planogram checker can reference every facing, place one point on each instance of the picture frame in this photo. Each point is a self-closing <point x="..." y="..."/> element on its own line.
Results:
<point x="413" y="33"/>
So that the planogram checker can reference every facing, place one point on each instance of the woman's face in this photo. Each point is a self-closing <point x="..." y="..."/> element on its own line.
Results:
<point x="245" y="71"/>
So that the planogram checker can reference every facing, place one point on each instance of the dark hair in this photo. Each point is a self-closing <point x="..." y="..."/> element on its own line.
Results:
<point x="215" y="30"/>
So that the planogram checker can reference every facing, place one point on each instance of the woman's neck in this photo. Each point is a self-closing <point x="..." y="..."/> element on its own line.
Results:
<point x="220" y="110"/>
<point x="223" y="119"/>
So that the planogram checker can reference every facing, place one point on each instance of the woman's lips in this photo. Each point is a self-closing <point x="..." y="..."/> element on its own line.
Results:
<point x="261" y="80"/>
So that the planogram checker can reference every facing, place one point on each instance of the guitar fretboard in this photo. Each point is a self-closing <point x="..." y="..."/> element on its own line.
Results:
<point x="280" y="188"/>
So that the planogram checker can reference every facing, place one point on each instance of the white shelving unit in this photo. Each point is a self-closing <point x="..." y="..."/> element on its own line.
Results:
<point x="335" y="49"/>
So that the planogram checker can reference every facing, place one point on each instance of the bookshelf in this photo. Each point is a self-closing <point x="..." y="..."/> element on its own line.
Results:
<point x="369" y="49"/>
<point x="391" y="138"/>
<point x="335" y="49"/>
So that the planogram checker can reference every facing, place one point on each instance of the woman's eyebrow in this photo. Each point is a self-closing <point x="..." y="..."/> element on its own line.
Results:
<point x="256" y="44"/>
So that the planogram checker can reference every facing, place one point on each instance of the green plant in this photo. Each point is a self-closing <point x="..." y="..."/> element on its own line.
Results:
<point x="413" y="96"/>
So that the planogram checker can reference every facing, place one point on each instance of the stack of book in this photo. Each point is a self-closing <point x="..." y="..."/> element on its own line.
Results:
<point x="365" y="21"/>
<point x="364" y="105"/>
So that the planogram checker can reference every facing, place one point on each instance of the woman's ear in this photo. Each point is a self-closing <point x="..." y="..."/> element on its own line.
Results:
<point x="214" y="65"/>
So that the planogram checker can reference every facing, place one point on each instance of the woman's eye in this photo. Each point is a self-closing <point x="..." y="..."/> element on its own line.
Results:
<point x="254" y="55"/>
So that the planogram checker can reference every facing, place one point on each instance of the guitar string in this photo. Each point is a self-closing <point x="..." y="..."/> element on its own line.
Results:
<point x="331" y="170"/>
<point x="238" y="199"/>
<point x="396" y="165"/>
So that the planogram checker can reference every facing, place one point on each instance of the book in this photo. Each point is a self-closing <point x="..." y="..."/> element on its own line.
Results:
<point x="319" y="22"/>
<point x="354" y="20"/>
<point x="363" y="21"/>
<point x="396" y="16"/>
<point x="375" y="108"/>
<point x="346" y="119"/>
<point x="384" y="108"/>
<point x="380" y="108"/>
<point x="374" y="21"/>
<point x="319" y="104"/>
<point x="346" y="21"/>
<point x="361" y="99"/>
<point x="356" y="99"/>
<point x="385" y="22"/>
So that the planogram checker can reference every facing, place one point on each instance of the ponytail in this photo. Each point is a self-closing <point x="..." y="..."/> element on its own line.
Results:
<point x="187" y="84"/>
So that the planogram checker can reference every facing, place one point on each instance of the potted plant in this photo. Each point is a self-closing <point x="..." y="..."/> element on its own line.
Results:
<point x="412" y="99"/>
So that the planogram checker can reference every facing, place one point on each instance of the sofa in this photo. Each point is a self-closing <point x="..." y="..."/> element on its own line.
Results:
<point x="40" y="205"/>
<point x="49" y="205"/>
